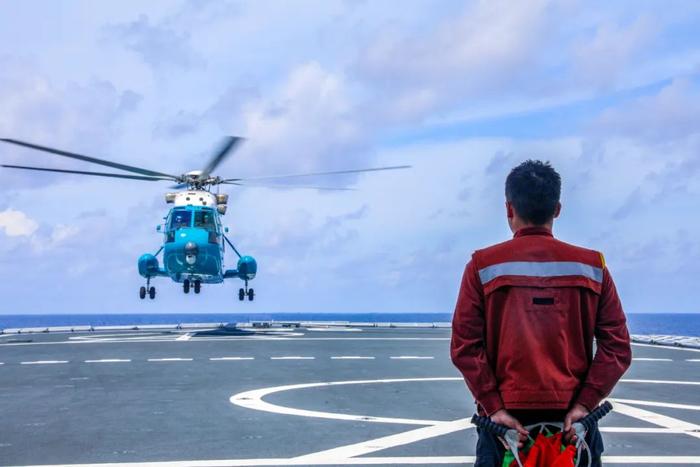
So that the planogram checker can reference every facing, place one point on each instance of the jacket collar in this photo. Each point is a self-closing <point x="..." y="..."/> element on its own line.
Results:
<point x="533" y="231"/>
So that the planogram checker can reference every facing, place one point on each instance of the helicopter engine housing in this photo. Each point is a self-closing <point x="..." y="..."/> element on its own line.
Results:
<point x="247" y="267"/>
<point x="148" y="265"/>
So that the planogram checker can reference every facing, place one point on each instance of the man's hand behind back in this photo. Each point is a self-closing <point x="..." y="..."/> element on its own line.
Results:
<point x="576" y="413"/>
<point x="502" y="417"/>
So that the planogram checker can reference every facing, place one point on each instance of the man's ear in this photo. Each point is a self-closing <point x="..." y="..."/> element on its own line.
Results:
<point x="509" y="210"/>
<point x="557" y="211"/>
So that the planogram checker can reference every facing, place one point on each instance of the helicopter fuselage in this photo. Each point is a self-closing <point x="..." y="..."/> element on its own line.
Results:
<point x="193" y="243"/>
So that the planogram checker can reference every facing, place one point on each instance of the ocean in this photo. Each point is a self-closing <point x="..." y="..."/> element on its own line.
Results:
<point x="683" y="324"/>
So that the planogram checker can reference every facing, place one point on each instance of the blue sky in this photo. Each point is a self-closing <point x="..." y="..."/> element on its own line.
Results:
<point x="463" y="91"/>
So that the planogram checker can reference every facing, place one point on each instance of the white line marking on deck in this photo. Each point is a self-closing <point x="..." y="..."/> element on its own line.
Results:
<point x="2" y="363"/>
<point x="221" y="359"/>
<point x="693" y="360"/>
<point x="411" y="357"/>
<point x="668" y="347"/>
<point x="292" y="357"/>
<point x="657" y="404"/>
<point x="173" y="359"/>
<point x="386" y="442"/>
<point x="109" y="360"/>
<point x="185" y="337"/>
<point x="657" y="381"/>
<point x="645" y="359"/>
<point x="665" y="421"/>
<point x="626" y="429"/>
<point x="44" y="362"/>
<point x="633" y="460"/>
<point x="351" y="357"/>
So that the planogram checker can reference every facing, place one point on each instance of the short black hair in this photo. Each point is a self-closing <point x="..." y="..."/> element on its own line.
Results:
<point x="534" y="188"/>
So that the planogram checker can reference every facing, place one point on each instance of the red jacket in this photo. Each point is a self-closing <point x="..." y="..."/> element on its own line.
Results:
<point x="523" y="329"/>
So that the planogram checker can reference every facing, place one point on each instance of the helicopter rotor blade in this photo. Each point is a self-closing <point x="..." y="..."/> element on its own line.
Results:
<point x="72" y="155"/>
<point x="336" y="172"/>
<point x="228" y="145"/>
<point x="287" y="187"/>
<point x="82" y="172"/>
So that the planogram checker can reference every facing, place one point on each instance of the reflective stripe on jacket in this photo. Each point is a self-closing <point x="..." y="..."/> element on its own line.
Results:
<point x="526" y="317"/>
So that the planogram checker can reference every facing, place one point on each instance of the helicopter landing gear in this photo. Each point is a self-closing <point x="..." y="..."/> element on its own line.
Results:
<point x="242" y="293"/>
<point x="186" y="286"/>
<point x="197" y="286"/>
<point x="151" y="291"/>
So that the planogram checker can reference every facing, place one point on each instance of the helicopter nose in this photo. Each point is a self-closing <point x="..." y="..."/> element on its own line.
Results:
<point x="191" y="251"/>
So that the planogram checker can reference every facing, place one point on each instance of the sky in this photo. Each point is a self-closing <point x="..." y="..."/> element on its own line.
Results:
<point x="608" y="92"/>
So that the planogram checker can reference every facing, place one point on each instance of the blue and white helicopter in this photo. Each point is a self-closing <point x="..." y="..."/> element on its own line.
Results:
<point x="194" y="239"/>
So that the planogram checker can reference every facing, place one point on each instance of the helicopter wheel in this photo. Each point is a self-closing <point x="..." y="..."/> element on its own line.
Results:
<point x="152" y="293"/>
<point x="197" y="286"/>
<point x="241" y="294"/>
<point x="142" y="292"/>
<point x="251" y="295"/>
<point x="186" y="286"/>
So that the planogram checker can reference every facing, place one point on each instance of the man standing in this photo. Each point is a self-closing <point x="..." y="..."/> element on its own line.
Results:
<point x="526" y="317"/>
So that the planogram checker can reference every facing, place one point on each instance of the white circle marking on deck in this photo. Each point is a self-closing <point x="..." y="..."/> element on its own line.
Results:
<point x="346" y="455"/>
<point x="253" y="400"/>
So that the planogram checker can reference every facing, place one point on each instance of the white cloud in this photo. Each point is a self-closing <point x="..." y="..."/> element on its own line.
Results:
<point x="158" y="44"/>
<point x="308" y="122"/>
<point x="483" y="51"/>
<point x="80" y="117"/>
<point x="668" y="115"/>
<point x="63" y="232"/>
<point x="17" y="224"/>
<point x="601" y="59"/>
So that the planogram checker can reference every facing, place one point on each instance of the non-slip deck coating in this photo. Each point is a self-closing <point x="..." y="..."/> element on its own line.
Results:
<point x="261" y="398"/>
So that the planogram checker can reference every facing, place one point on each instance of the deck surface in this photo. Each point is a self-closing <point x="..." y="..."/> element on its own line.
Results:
<point x="308" y="396"/>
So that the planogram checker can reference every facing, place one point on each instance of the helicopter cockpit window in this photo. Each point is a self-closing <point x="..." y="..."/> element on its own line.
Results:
<point x="180" y="219"/>
<point x="205" y="220"/>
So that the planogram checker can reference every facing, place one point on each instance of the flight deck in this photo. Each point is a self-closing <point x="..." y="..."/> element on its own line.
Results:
<point x="307" y="395"/>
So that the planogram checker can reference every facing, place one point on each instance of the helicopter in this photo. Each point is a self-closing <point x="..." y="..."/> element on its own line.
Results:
<point x="194" y="239"/>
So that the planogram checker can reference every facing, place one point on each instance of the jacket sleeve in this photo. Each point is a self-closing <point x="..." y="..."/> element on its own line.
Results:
<point x="467" y="347"/>
<point x="613" y="349"/>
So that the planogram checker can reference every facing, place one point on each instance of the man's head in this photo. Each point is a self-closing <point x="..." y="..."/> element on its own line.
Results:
<point x="532" y="195"/>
